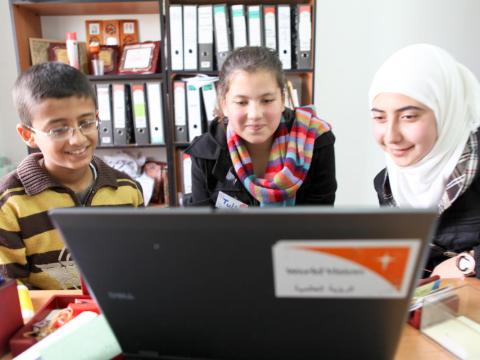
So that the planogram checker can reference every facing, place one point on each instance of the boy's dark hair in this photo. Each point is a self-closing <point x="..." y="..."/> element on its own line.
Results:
<point x="250" y="59"/>
<point x="51" y="80"/>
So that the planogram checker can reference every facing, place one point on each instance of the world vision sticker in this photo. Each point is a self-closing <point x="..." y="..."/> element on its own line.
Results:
<point x="344" y="268"/>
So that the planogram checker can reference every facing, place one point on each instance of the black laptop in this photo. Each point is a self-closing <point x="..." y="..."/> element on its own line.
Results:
<point x="289" y="283"/>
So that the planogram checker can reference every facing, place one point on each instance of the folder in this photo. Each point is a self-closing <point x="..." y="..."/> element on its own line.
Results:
<point x="186" y="169"/>
<point x="222" y="38"/>
<point x="284" y="36"/>
<point x="190" y="43"/>
<point x="176" y="36"/>
<point x="239" y="26"/>
<point x="155" y="112"/>
<point x="194" y="111"/>
<point x="179" y="99"/>
<point x="209" y="95"/>
<point x="270" y="26"/>
<point x="255" y="25"/>
<point x="121" y="114"/>
<point x="104" y="101"/>
<point x="140" y="120"/>
<point x="205" y="37"/>
<point x="303" y="43"/>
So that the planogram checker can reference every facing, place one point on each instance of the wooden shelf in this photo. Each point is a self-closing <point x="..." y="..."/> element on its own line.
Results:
<point x="181" y="144"/>
<point x="89" y="7"/>
<point x="126" y="77"/>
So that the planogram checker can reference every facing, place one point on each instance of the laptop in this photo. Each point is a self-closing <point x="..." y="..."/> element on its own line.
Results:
<point x="286" y="283"/>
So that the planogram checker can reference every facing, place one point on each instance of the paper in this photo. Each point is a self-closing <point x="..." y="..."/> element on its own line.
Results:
<point x="225" y="201"/>
<point x="94" y="340"/>
<point x="350" y="268"/>
<point x="459" y="335"/>
<point x="35" y="351"/>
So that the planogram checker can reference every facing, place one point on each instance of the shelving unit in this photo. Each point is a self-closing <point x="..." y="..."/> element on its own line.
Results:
<point x="28" y="19"/>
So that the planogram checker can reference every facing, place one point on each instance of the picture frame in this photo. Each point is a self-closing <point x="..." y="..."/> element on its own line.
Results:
<point x="109" y="54"/>
<point x="44" y="50"/>
<point x="140" y="58"/>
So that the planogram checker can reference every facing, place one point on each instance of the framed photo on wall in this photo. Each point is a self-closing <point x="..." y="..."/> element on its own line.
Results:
<point x="140" y="58"/>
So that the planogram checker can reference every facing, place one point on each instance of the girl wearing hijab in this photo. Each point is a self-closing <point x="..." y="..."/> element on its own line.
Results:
<point x="426" y="113"/>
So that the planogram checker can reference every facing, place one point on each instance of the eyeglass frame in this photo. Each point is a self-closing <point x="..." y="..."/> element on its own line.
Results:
<point x="71" y="130"/>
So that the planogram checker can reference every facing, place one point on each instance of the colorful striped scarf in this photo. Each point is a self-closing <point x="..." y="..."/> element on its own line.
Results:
<point x="289" y="160"/>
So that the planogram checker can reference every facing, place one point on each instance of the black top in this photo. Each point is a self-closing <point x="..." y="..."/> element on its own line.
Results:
<point x="212" y="170"/>
<point x="458" y="226"/>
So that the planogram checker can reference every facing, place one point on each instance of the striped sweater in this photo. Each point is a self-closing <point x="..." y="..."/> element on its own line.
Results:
<point x="31" y="249"/>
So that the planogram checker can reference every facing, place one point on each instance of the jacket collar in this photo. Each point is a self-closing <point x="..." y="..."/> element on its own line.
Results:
<point x="36" y="179"/>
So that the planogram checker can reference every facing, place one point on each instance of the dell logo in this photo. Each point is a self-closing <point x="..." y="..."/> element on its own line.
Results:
<point x="121" y="296"/>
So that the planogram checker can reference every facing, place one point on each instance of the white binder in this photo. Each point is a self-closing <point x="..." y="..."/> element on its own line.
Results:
<point x="239" y="26"/>
<point x="255" y="28"/>
<point x="190" y="43"/>
<point x="176" y="36"/>
<point x="303" y="44"/>
<point x="284" y="36"/>
<point x="270" y="26"/>
<point x="209" y="94"/>
<point x="205" y="37"/>
<point x="222" y="38"/>
<point x="155" y="113"/>
<point x="104" y="101"/>
<point x="194" y="111"/>
<point x="119" y="115"/>
<point x="180" y="111"/>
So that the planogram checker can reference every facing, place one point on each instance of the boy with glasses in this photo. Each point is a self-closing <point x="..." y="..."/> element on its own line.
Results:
<point x="57" y="108"/>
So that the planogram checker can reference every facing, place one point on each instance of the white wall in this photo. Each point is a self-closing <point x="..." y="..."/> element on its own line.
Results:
<point x="10" y="144"/>
<point x="353" y="38"/>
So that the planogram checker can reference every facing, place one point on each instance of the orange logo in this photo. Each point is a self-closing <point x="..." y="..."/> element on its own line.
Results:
<point x="388" y="262"/>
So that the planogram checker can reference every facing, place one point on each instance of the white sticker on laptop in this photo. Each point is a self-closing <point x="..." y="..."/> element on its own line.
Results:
<point x="345" y="268"/>
<point x="225" y="201"/>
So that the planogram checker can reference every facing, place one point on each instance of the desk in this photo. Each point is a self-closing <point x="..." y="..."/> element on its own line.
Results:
<point x="413" y="345"/>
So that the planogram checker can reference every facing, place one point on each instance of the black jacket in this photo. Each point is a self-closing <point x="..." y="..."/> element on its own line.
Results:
<point x="212" y="170"/>
<point x="458" y="226"/>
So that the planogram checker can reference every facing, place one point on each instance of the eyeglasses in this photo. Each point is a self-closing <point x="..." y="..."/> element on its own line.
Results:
<point x="66" y="132"/>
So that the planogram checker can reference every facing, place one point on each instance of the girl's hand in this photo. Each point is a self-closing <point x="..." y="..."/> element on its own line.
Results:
<point x="448" y="269"/>
<point x="458" y="266"/>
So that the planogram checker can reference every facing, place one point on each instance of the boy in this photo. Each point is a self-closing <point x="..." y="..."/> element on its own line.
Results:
<point x="57" y="108"/>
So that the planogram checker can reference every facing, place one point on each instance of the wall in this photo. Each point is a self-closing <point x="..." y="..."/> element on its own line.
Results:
<point x="353" y="39"/>
<point x="10" y="144"/>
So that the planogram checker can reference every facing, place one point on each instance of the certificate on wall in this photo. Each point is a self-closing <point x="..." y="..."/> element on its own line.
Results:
<point x="141" y="58"/>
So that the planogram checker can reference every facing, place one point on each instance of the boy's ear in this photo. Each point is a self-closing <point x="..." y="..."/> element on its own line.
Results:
<point x="26" y="135"/>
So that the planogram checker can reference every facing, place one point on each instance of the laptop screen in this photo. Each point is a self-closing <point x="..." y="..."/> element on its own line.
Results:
<point x="289" y="283"/>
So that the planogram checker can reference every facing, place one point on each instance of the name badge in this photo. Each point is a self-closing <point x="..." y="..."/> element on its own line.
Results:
<point x="225" y="201"/>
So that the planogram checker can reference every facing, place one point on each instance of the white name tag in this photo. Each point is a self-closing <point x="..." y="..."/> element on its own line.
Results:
<point x="225" y="201"/>
<point x="344" y="269"/>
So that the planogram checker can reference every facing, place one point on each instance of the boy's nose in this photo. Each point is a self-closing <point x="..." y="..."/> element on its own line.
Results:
<point x="76" y="136"/>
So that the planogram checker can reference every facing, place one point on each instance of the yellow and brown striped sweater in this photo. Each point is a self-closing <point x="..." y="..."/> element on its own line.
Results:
<point x="31" y="248"/>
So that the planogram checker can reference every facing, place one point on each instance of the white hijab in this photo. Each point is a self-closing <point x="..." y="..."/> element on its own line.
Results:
<point x="433" y="77"/>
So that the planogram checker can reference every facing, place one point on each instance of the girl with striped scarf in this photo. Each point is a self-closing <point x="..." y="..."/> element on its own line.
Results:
<point x="258" y="152"/>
